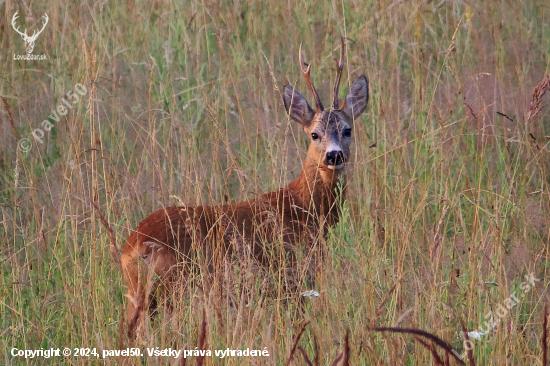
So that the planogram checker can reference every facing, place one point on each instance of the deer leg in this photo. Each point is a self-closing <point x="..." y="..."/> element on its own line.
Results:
<point x="140" y="267"/>
<point x="135" y="289"/>
<point x="162" y="271"/>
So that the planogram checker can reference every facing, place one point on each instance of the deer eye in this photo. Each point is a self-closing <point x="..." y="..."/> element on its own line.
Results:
<point x="347" y="132"/>
<point x="314" y="136"/>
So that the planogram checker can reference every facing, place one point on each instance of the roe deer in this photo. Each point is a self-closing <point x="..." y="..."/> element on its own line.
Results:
<point x="166" y="240"/>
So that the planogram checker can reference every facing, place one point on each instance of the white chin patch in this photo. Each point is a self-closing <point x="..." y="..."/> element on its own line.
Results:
<point x="335" y="167"/>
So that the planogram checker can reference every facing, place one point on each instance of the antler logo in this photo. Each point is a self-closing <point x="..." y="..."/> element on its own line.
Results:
<point x="29" y="40"/>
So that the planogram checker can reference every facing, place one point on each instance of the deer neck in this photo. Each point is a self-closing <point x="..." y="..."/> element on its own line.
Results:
<point x="318" y="189"/>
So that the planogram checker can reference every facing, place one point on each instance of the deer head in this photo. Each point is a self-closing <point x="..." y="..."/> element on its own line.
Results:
<point x="29" y="41"/>
<point x="330" y="130"/>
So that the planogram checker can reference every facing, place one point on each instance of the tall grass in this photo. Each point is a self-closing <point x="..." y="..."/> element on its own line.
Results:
<point x="448" y="199"/>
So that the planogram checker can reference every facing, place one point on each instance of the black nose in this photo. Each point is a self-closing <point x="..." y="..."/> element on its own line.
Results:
<point x="334" y="158"/>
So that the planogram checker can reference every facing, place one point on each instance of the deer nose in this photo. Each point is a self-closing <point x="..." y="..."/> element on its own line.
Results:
<point x="334" y="158"/>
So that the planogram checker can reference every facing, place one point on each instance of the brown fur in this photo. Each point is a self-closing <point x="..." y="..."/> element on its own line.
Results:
<point x="167" y="241"/>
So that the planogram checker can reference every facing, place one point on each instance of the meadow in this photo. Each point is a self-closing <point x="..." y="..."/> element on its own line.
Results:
<point x="447" y="207"/>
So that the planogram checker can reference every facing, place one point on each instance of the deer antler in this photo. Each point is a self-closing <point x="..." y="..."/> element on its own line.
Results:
<point x="34" y="34"/>
<point x="13" y="19"/>
<point x="339" y="68"/>
<point x="305" y="70"/>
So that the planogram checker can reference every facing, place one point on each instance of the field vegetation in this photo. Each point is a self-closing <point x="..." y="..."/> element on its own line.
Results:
<point x="448" y="197"/>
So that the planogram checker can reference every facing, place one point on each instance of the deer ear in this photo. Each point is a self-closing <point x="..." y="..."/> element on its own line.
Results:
<point x="357" y="98"/>
<point x="297" y="107"/>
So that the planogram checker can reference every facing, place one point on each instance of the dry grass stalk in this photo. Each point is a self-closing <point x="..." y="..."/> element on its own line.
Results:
<point x="202" y="342"/>
<point x="295" y="344"/>
<point x="381" y="306"/>
<point x="121" y="331"/>
<point x="536" y="101"/>
<point x="431" y="348"/>
<point x="345" y="362"/>
<point x="317" y="353"/>
<point x="441" y="343"/>
<point x="335" y="362"/>
<point x="437" y="235"/>
<point x="304" y="354"/>
<point x="343" y="356"/>
<point x="403" y="317"/>
<point x="469" y="349"/>
<point x="7" y="106"/>
<point x="544" y="339"/>
<point x="121" y="359"/>
<point x="115" y="253"/>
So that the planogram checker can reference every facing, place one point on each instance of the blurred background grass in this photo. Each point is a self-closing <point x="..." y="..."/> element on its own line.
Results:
<point x="184" y="107"/>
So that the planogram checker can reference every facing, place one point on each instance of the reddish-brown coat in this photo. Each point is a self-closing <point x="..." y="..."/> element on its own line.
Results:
<point x="165" y="243"/>
<point x="165" y="240"/>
